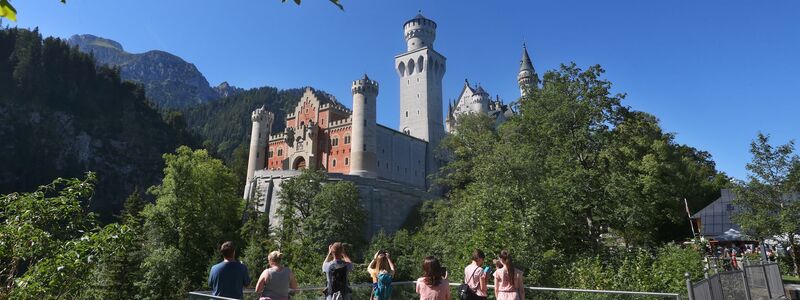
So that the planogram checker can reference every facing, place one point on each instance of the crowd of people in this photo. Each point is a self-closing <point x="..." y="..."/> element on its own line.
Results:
<point x="731" y="256"/>
<point x="229" y="277"/>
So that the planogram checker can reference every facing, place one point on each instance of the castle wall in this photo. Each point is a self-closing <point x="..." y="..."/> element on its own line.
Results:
<point x="388" y="203"/>
<point x="401" y="157"/>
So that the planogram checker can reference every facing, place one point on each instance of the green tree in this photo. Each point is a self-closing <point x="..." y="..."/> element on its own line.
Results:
<point x="52" y="248"/>
<point x="116" y="274"/>
<point x="768" y="200"/>
<point x="575" y="172"/>
<point x="41" y="224"/>
<point x="323" y="213"/>
<point x="197" y="208"/>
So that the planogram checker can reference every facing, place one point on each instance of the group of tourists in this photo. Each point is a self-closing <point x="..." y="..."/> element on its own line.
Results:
<point x="229" y="277"/>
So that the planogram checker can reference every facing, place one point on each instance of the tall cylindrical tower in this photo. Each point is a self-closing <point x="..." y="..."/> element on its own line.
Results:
<point x="527" y="77"/>
<point x="363" y="149"/>
<point x="262" y="126"/>
<point x="419" y="32"/>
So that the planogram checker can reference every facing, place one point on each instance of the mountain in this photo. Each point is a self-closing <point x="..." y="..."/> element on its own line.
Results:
<point x="169" y="81"/>
<point x="226" y="90"/>
<point x="61" y="116"/>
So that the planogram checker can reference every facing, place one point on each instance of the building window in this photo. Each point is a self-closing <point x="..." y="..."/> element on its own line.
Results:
<point x="406" y="114"/>
<point x="334" y="162"/>
<point x="346" y="161"/>
<point x="365" y="147"/>
<point x="269" y="154"/>
<point x="335" y="141"/>
<point x="280" y="151"/>
<point x="347" y="139"/>
<point x="365" y="122"/>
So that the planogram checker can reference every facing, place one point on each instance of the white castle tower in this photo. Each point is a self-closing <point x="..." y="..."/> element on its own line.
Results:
<point x="363" y="147"/>
<point x="526" y="77"/>
<point x="421" y="70"/>
<point x="262" y="127"/>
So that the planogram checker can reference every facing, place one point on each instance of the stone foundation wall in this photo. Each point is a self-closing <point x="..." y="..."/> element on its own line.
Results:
<point x="388" y="203"/>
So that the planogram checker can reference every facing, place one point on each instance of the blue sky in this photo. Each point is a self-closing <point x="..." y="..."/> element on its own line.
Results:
<point x="714" y="72"/>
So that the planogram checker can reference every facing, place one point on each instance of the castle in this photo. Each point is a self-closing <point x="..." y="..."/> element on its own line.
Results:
<point x="390" y="167"/>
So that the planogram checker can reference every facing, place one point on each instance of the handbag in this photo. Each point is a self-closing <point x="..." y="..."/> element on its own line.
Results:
<point x="464" y="291"/>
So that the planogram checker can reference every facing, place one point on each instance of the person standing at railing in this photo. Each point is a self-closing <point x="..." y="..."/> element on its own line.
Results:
<point x="433" y="285"/>
<point x="508" y="280"/>
<point x="228" y="278"/>
<point x="382" y="270"/>
<point x="275" y="281"/>
<point x="476" y="276"/>
<point x="336" y="266"/>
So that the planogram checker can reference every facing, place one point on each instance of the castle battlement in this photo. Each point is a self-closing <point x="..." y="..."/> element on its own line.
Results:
<point x="341" y="122"/>
<point x="277" y="137"/>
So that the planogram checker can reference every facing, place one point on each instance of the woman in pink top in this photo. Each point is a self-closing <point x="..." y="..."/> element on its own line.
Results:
<point x="508" y="280"/>
<point x="432" y="285"/>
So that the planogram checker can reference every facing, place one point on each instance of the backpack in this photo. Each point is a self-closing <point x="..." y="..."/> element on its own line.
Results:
<point x="338" y="281"/>
<point x="383" y="288"/>
<point x="464" y="291"/>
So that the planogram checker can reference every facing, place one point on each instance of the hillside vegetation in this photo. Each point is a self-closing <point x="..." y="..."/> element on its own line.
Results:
<point x="61" y="116"/>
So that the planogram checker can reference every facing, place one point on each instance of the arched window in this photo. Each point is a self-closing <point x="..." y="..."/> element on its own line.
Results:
<point x="335" y="141"/>
<point x="347" y="139"/>
<point x="401" y="69"/>
<point x="280" y="152"/>
<point x="334" y="162"/>
<point x="346" y="161"/>
<point x="410" y="66"/>
<point x="420" y="63"/>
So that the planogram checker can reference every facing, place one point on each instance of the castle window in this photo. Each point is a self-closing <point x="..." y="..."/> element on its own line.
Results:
<point x="346" y="161"/>
<point x="406" y="114"/>
<point x="269" y="154"/>
<point x="347" y="139"/>
<point x="280" y="151"/>
<point x="335" y="141"/>
<point x="334" y="162"/>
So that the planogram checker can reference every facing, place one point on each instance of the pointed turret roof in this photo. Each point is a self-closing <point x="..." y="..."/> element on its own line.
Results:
<point x="525" y="64"/>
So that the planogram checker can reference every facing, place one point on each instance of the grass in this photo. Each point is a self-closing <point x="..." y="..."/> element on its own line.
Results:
<point x="791" y="279"/>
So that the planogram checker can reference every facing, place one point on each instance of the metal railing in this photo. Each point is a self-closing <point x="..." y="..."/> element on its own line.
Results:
<point x="405" y="290"/>
<point x="751" y="282"/>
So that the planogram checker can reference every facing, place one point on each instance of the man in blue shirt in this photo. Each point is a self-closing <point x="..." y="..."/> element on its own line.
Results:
<point x="228" y="278"/>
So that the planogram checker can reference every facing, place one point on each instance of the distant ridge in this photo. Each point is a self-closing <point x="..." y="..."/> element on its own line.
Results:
<point x="169" y="81"/>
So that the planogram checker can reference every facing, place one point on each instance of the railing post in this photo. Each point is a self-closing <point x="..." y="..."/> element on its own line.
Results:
<point x="766" y="279"/>
<point x="746" y="283"/>
<point x="689" y="286"/>
<point x="708" y="283"/>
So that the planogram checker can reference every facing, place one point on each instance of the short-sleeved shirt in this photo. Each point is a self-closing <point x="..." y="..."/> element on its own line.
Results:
<point x="328" y="267"/>
<point x="474" y="280"/>
<point x="438" y="292"/>
<point x="228" y="278"/>
<point x="503" y="281"/>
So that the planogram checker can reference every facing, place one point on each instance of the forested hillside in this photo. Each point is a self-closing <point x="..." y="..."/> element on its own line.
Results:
<point x="61" y="116"/>
<point x="225" y="123"/>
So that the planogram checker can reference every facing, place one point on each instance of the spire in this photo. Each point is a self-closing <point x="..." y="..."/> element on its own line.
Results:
<point x="526" y="77"/>
<point x="526" y="64"/>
